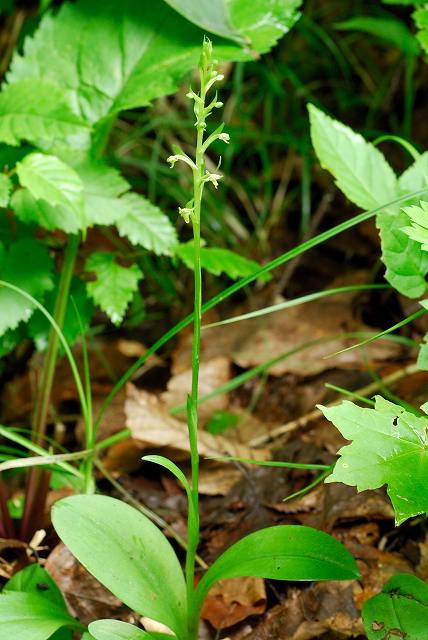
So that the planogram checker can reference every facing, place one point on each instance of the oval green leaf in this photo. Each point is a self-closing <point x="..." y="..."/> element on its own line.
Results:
<point x="287" y="552"/>
<point x="116" y="630"/>
<point x="127" y="553"/>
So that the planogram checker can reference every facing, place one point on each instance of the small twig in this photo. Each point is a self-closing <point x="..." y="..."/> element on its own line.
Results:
<point x="303" y="421"/>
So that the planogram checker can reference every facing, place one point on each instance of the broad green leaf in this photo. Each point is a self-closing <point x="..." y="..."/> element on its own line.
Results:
<point x="5" y="189"/>
<point x="114" y="286"/>
<point x="145" y="225"/>
<point x="39" y="326"/>
<point x="37" y="581"/>
<point x="103" y="187"/>
<point x="285" y="552"/>
<point x="28" y="616"/>
<point x="399" y="611"/>
<point x="259" y="24"/>
<point x="418" y="229"/>
<point x="359" y="168"/>
<point x="217" y="261"/>
<point x="49" y="179"/>
<point x="109" y="55"/>
<point x="116" y="630"/>
<point x="127" y="553"/>
<point x="389" y="447"/>
<point x="390" y="29"/>
<point x="365" y="177"/>
<point x="30" y="211"/>
<point x="37" y="110"/>
<point x="416" y="176"/>
<point x="27" y="265"/>
<point x="421" y="18"/>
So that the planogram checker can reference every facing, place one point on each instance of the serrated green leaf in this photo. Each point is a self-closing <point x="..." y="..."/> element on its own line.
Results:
<point x="103" y="187"/>
<point x="418" y="229"/>
<point x="416" y="176"/>
<point x="115" y="285"/>
<point x="47" y="117"/>
<point x="127" y="553"/>
<point x="389" y="447"/>
<point x="50" y="180"/>
<point x="286" y="552"/>
<point x="27" y="265"/>
<point x="421" y="18"/>
<point x="218" y="261"/>
<point x="258" y="25"/>
<point x="399" y="611"/>
<point x="145" y="225"/>
<point x="29" y="211"/>
<point x="28" y="616"/>
<point x="109" y="55"/>
<point x="389" y="29"/>
<point x="39" y="327"/>
<point x="5" y="189"/>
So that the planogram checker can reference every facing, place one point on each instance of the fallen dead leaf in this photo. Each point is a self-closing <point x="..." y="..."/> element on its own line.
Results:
<point x="234" y="600"/>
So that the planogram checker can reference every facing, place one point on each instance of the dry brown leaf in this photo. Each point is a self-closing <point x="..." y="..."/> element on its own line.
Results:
<point x="234" y="600"/>
<point x="218" y="480"/>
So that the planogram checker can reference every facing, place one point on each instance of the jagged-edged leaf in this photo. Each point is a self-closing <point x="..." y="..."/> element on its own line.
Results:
<point x="39" y="326"/>
<point x="389" y="447"/>
<point x="27" y="265"/>
<point x="114" y="286"/>
<point x="259" y="24"/>
<point x="117" y="630"/>
<point x="31" y="211"/>
<point x="49" y="180"/>
<point x="418" y="229"/>
<point x="103" y="187"/>
<point x="145" y="225"/>
<point x="127" y="553"/>
<point x="111" y="55"/>
<point x="422" y="362"/>
<point x="36" y="110"/>
<point x="416" y="176"/>
<point x="28" y="616"/>
<point x="421" y="18"/>
<point x="5" y="189"/>
<point x="284" y="552"/>
<point x="218" y="261"/>
<point x="365" y="177"/>
<point x="390" y="29"/>
<point x="359" y="168"/>
<point x="399" y="611"/>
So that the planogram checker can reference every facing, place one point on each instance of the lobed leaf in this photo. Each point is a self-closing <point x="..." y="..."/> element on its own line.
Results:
<point x="389" y="447"/>
<point x="400" y="610"/>
<point x="114" y="286"/>
<point x="127" y="553"/>
<point x="27" y="265"/>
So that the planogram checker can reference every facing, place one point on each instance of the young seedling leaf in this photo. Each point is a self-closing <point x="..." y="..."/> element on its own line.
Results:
<point x="114" y="286"/>
<point x="389" y="447"/>
<point x="127" y="553"/>
<point x="365" y="177"/>
<point x="5" y="189"/>
<point x="259" y="25"/>
<point x="116" y="630"/>
<point x="399" y="611"/>
<point x="50" y="180"/>
<point x="286" y="552"/>
<point x="218" y="261"/>
<point x="26" y="264"/>
<point x="29" y="616"/>
<point x="49" y="117"/>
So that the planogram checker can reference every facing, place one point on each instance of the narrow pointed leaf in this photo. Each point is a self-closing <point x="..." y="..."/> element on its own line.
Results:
<point x="287" y="552"/>
<point x="389" y="447"/>
<point x="127" y="553"/>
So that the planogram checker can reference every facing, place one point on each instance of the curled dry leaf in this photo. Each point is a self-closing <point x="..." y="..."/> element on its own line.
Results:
<point x="234" y="600"/>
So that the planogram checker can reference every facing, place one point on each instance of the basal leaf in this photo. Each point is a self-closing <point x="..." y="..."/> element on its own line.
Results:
<point x="287" y="552"/>
<point x="37" y="581"/>
<point x="217" y="261"/>
<point x="37" y="110"/>
<point x="114" y="286"/>
<point x="28" y="616"/>
<point x="389" y="447"/>
<point x="109" y="55"/>
<point x="50" y="180"/>
<point x="127" y="553"/>
<point x="399" y="611"/>
<point x="258" y="25"/>
<point x="27" y="265"/>
<point x="145" y="225"/>
<point x="5" y="189"/>
<point x="116" y="630"/>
